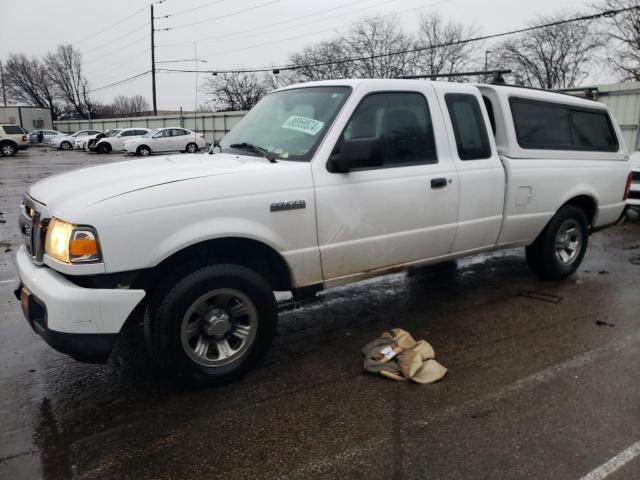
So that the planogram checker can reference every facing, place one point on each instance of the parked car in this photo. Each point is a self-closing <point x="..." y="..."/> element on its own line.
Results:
<point x="116" y="142"/>
<point x="319" y="185"/>
<point x="171" y="139"/>
<point x="46" y="136"/>
<point x="12" y="138"/>
<point x="87" y="143"/>
<point x="66" y="142"/>
<point x="634" y="192"/>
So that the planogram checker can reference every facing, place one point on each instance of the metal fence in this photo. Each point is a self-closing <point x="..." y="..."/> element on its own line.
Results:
<point x="213" y="126"/>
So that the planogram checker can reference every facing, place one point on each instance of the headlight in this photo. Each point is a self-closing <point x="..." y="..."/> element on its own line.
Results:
<point x="71" y="243"/>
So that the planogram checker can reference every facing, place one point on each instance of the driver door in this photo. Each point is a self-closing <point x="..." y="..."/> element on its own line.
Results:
<point x="162" y="141"/>
<point x="399" y="212"/>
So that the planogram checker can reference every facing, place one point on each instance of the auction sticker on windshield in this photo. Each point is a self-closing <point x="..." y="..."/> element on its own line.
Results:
<point x="303" y="124"/>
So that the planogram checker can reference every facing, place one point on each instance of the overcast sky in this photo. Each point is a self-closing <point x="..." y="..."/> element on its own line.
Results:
<point x="228" y="33"/>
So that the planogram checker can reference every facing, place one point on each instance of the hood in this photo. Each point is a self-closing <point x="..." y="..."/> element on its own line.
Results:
<point x="88" y="186"/>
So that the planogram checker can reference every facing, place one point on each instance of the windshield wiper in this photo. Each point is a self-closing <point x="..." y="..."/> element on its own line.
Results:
<point x="255" y="149"/>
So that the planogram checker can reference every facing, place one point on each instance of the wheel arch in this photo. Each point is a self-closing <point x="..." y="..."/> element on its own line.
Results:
<point x="244" y="251"/>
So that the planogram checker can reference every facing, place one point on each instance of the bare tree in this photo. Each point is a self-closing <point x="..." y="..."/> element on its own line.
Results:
<point x="129" y="106"/>
<point x="64" y="68"/>
<point x="558" y="56"/>
<point x="28" y="82"/>
<point x="323" y="60"/>
<point x="376" y="41"/>
<point x="623" y="34"/>
<point x="445" y="54"/>
<point x="235" y="91"/>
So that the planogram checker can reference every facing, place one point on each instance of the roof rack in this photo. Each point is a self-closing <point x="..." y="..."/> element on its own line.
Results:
<point x="561" y="91"/>
<point x="496" y="75"/>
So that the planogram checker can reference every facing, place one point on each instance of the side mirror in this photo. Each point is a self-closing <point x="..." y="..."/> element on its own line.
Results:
<point x="357" y="153"/>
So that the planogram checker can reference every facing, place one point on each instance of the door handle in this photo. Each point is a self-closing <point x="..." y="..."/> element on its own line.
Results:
<point x="438" y="182"/>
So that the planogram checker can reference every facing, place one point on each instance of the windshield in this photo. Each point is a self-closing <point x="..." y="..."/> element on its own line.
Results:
<point x="151" y="133"/>
<point x="288" y="124"/>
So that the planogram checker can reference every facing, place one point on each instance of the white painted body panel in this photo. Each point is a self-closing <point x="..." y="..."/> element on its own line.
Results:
<point x="354" y="225"/>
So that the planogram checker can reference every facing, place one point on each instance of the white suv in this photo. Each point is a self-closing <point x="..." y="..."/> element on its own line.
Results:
<point x="12" y="139"/>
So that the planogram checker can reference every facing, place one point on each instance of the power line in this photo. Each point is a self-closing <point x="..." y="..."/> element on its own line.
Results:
<point x="95" y="34"/>
<point x="272" y="24"/>
<point x="137" y="40"/>
<point x="220" y="17"/>
<point x="120" y="82"/>
<point x="605" y="13"/>
<point x="120" y="62"/>
<point x="322" y="31"/>
<point x="110" y="42"/>
<point x="191" y="9"/>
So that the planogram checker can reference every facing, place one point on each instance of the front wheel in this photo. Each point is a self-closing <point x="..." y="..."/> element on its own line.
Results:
<point x="192" y="148"/>
<point x="103" y="148"/>
<point x="65" y="146"/>
<point x="211" y="324"/>
<point x="560" y="247"/>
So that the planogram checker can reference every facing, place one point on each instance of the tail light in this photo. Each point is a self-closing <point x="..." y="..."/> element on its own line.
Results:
<point x="24" y="138"/>
<point x="627" y="188"/>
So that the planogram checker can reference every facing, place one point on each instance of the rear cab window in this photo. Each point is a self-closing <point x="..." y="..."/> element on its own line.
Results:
<point x="472" y="140"/>
<point x="555" y="126"/>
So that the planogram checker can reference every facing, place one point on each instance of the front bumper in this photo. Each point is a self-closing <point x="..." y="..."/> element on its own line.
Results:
<point x="81" y="322"/>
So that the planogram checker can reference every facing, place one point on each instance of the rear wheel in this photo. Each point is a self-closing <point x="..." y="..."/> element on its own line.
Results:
<point x="143" y="151"/>
<point x="211" y="324"/>
<point x="560" y="247"/>
<point x="192" y="148"/>
<point x="8" y="149"/>
<point x="65" y="145"/>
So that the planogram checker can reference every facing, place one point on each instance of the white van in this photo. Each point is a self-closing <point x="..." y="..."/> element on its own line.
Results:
<point x="319" y="185"/>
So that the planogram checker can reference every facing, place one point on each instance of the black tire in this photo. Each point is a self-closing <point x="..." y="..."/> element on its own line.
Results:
<point x="551" y="255"/>
<point x="192" y="148"/>
<point x="66" y="145"/>
<point x="8" y="149"/>
<point x="103" y="148"/>
<point x="170" y="306"/>
<point x="143" y="151"/>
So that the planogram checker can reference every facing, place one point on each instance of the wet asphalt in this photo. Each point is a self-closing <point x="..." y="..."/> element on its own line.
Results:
<point x="543" y="378"/>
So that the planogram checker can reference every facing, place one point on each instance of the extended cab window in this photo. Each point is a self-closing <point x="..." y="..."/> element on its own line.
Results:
<point x="554" y="126"/>
<point x="469" y="129"/>
<point x="401" y="121"/>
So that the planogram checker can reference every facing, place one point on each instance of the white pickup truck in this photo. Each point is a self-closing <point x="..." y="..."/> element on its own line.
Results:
<point x="321" y="184"/>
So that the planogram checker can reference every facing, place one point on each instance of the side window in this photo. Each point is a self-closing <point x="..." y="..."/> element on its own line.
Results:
<point x="469" y="129"/>
<point x="178" y="132"/>
<point x="541" y="125"/>
<point x="401" y="121"/>
<point x="592" y="130"/>
<point x="553" y="126"/>
<point x="12" y="129"/>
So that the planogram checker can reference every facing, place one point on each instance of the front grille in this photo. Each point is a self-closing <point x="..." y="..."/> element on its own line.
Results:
<point x="33" y="224"/>
<point x="635" y="176"/>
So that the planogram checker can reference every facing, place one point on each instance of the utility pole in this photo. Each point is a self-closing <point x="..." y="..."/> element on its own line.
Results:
<point x="4" y="91"/>
<point x="153" y="66"/>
